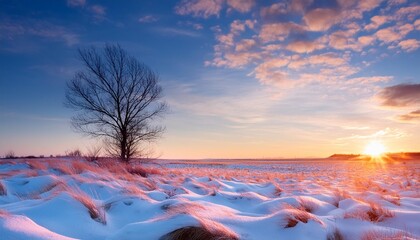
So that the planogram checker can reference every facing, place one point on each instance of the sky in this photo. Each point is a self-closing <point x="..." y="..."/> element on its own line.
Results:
<point x="242" y="78"/>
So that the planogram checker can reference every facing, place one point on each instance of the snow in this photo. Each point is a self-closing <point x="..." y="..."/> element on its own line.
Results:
<point x="74" y="199"/>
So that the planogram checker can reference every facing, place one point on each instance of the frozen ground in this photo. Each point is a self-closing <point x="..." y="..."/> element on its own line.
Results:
<point x="317" y="199"/>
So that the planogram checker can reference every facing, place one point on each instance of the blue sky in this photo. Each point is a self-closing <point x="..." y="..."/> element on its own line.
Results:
<point x="243" y="78"/>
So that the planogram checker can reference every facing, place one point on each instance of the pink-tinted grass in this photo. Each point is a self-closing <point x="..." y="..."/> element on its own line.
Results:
<point x="200" y="233"/>
<point x="335" y="234"/>
<point x="375" y="213"/>
<point x="3" y="190"/>
<point x="307" y="205"/>
<point x="96" y="212"/>
<point x="4" y="213"/>
<point x="295" y="215"/>
<point x="387" y="235"/>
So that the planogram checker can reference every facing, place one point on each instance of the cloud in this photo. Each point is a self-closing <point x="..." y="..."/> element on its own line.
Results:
<point x="295" y="6"/>
<point x="409" y="45"/>
<point x="366" y="40"/>
<point x="235" y="107"/>
<point x="278" y="31"/>
<point x="76" y="3"/>
<point x="413" y="116"/>
<point x="199" y="8"/>
<point x="376" y="22"/>
<point x="98" y="11"/>
<point x="245" y="45"/>
<point x="148" y="19"/>
<point x="274" y="9"/>
<point x="271" y="72"/>
<point x="402" y="95"/>
<point x="344" y="40"/>
<point x="363" y="81"/>
<point x="241" y="5"/>
<point x="235" y="59"/>
<point x="384" y="133"/>
<point x="12" y="30"/>
<point x="417" y="24"/>
<point x="177" y="32"/>
<point x="409" y="12"/>
<point x="304" y="46"/>
<point x="299" y="5"/>
<point x="388" y="35"/>
<point x="395" y="33"/>
<point x="320" y="19"/>
<point x="326" y="59"/>
<point x="196" y="26"/>
<point x="208" y="8"/>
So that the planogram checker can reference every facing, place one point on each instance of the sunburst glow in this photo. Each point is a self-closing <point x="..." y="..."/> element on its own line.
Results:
<point x="374" y="149"/>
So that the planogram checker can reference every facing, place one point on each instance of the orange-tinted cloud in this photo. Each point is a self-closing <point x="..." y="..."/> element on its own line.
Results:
<point x="207" y="8"/>
<point x="409" y="45"/>
<point x="395" y="33"/>
<point x="413" y="116"/>
<point x="200" y="8"/>
<point x="241" y="5"/>
<point x="274" y="9"/>
<point x="245" y="44"/>
<point x="304" y="46"/>
<point x="76" y="3"/>
<point x="366" y="40"/>
<point x="376" y="22"/>
<point x="278" y="31"/>
<point x="402" y="95"/>
<point x="320" y="19"/>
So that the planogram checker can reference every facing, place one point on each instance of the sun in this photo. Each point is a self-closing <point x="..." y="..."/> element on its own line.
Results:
<point x="374" y="149"/>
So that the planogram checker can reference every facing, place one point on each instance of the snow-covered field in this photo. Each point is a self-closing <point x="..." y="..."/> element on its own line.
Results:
<point x="317" y="199"/>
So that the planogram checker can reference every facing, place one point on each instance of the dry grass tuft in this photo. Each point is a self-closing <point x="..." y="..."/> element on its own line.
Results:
<point x="3" y="190"/>
<point x="141" y="171"/>
<point x="97" y="213"/>
<point x="335" y="235"/>
<point x="37" y="194"/>
<point x="306" y="205"/>
<point x="196" y="233"/>
<point x="296" y="215"/>
<point x="340" y="195"/>
<point x="278" y="190"/>
<point x="393" y="198"/>
<point x="4" y="213"/>
<point x="387" y="235"/>
<point x="37" y="165"/>
<point x="375" y="213"/>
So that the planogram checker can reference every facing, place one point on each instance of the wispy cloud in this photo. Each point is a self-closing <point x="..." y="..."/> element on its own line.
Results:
<point x="98" y="11"/>
<point x="384" y="133"/>
<point x="401" y="95"/>
<point x="76" y="3"/>
<point x="11" y="30"/>
<point x="409" y="45"/>
<point x="413" y="116"/>
<point x="171" y="31"/>
<point x="33" y="117"/>
<point x="148" y="19"/>
<point x="208" y="8"/>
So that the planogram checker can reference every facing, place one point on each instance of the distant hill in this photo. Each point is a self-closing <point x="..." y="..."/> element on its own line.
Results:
<point x="395" y="156"/>
<point x="344" y="156"/>
<point x="404" y="155"/>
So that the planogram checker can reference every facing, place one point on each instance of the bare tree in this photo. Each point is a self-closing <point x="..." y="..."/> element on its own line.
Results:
<point x="117" y="98"/>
